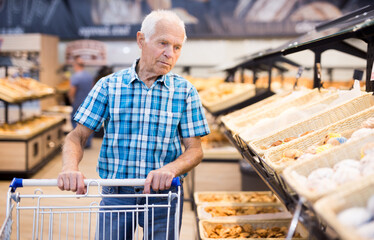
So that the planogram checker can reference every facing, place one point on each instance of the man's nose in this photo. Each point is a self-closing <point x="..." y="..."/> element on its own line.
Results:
<point x="168" y="51"/>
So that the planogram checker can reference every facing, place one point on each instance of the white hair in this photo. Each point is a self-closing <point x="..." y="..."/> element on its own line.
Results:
<point x="150" y="21"/>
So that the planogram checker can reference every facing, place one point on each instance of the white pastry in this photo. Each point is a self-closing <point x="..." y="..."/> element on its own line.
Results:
<point x="300" y="179"/>
<point x="354" y="217"/>
<point x="367" y="159"/>
<point x="321" y="173"/>
<point x="346" y="174"/>
<point x="306" y="156"/>
<point x="367" y="230"/>
<point x="370" y="205"/>
<point x="321" y="185"/>
<point x="360" y="133"/>
<point x="369" y="123"/>
<point x="367" y="169"/>
<point x="352" y="163"/>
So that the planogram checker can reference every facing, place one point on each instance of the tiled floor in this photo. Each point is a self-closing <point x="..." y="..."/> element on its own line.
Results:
<point x="208" y="177"/>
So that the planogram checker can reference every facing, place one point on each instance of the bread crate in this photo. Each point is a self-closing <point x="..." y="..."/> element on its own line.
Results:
<point x="294" y="175"/>
<point x="239" y="125"/>
<point x="345" y="127"/>
<point x="354" y="196"/>
<point x="226" y="95"/>
<point x="245" y="228"/>
<point x="248" y="210"/>
<point x="316" y="122"/>
<point x="235" y="197"/>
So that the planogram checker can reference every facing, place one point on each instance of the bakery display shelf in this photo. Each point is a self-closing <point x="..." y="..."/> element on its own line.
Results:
<point x="301" y="209"/>
<point x="33" y="132"/>
<point x="24" y="156"/>
<point x="331" y="35"/>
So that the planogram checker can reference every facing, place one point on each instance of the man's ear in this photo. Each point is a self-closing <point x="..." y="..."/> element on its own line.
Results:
<point x="140" y="39"/>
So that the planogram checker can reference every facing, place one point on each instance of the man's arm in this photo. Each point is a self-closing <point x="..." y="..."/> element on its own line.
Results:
<point x="70" y="178"/>
<point x="160" y="179"/>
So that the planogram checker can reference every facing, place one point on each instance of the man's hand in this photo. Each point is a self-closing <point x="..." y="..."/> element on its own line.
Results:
<point x="159" y="179"/>
<point x="72" y="181"/>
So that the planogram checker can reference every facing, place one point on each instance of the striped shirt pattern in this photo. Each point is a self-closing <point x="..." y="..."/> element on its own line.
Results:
<point x="142" y="126"/>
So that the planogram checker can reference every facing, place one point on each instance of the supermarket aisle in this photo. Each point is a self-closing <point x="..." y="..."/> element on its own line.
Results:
<point x="208" y="177"/>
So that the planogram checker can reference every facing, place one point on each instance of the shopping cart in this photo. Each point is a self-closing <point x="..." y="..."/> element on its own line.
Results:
<point x="64" y="215"/>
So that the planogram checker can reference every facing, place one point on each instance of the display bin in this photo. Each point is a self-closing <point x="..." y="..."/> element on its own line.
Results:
<point x="204" y="197"/>
<point x="354" y="196"/>
<point x="23" y="155"/>
<point x="349" y="150"/>
<point x="247" y="210"/>
<point x="258" y="106"/>
<point x="302" y="103"/>
<point x="272" y="110"/>
<point x="345" y="127"/>
<point x="315" y="122"/>
<point x="207" y="225"/>
<point x="241" y="92"/>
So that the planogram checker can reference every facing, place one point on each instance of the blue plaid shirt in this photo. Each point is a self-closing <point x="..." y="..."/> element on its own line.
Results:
<point x="143" y="126"/>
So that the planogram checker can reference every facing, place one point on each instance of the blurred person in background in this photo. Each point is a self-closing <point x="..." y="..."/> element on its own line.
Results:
<point x="81" y="83"/>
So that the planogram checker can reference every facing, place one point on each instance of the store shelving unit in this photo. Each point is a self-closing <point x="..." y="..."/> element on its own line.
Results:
<point x="24" y="154"/>
<point x="331" y="35"/>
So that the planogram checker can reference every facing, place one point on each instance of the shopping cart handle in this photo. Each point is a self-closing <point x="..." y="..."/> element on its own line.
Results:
<point x="20" y="182"/>
<point x="16" y="182"/>
<point x="176" y="182"/>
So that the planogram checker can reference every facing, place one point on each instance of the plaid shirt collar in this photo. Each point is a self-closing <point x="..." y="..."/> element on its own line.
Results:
<point x="165" y="79"/>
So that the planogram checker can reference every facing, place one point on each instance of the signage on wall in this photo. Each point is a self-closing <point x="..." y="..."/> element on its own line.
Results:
<point x="97" y="19"/>
<point x="92" y="52"/>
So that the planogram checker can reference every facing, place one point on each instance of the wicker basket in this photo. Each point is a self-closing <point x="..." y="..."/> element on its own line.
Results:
<point x="282" y="211"/>
<point x="235" y="197"/>
<point x="308" y="100"/>
<point x="207" y="225"/>
<point x="345" y="127"/>
<point x="351" y="150"/>
<point x="316" y="122"/>
<point x="257" y="107"/>
<point x="246" y="91"/>
<point x="354" y="196"/>
<point x="254" y="109"/>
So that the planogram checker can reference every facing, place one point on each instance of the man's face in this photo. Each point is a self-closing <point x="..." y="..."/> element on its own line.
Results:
<point x="163" y="48"/>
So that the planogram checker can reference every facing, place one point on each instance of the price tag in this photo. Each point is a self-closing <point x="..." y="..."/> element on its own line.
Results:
<point x="372" y="73"/>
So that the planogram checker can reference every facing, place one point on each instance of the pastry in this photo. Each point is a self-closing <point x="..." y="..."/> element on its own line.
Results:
<point x="276" y="143"/>
<point x="369" y="123"/>
<point x="289" y="139"/>
<point x="360" y="133"/>
<point x="367" y="230"/>
<point x="323" y="148"/>
<point x="336" y="141"/>
<point x="354" y="217"/>
<point x="345" y="174"/>
<point x="370" y="205"/>
<point x="305" y="133"/>
<point x="350" y="163"/>
<point x="321" y="173"/>
<point x="292" y="153"/>
<point x="331" y="135"/>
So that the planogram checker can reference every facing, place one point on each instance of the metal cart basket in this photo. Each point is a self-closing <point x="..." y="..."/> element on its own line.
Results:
<point x="65" y="215"/>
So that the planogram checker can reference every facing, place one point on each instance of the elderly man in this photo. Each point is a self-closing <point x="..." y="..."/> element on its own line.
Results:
<point x="147" y="111"/>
